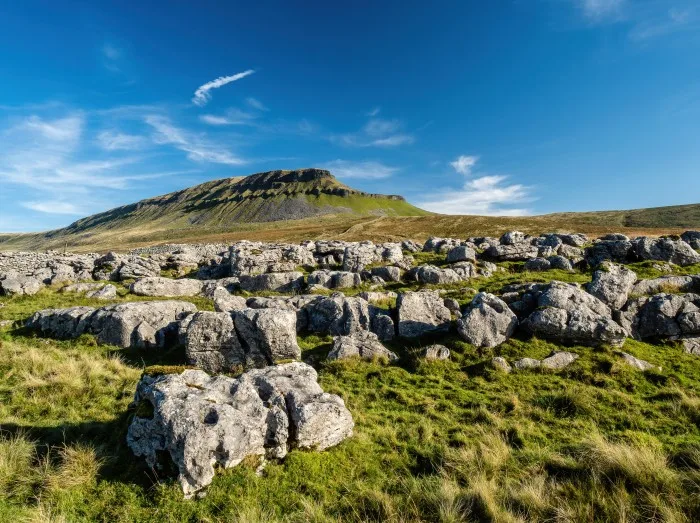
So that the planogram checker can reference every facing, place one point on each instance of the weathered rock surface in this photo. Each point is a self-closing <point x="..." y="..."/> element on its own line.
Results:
<point x="224" y="301"/>
<point x="362" y="344"/>
<point x="420" y="313"/>
<point x="166" y="287"/>
<point x="487" y="321"/>
<point x="212" y="344"/>
<point x="120" y="324"/>
<point x="615" y="250"/>
<point x="136" y="324"/>
<point x="500" y="363"/>
<point x="522" y="251"/>
<point x="667" y="284"/>
<point x="461" y="253"/>
<point x="204" y="421"/>
<point x="255" y="258"/>
<point x="104" y="292"/>
<point x="665" y="249"/>
<point x="559" y="359"/>
<point x="691" y="345"/>
<point x="429" y="274"/>
<point x="662" y="316"/>
<point x="273" y="281"/>
<point x="692" y="238"/>
<point x="20" y="285"/>
<point x="335" y="279"/>
<point x="62" y="323"/>
<point x="612" y="284"/>
<point x="568" y="314"/>
<point x="268" y="335"/>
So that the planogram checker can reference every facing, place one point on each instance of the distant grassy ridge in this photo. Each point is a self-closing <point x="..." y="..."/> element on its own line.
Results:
<point x="675" y="216"/>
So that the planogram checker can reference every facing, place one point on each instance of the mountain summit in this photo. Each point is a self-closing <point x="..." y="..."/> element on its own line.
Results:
<point x="263" y="197"/>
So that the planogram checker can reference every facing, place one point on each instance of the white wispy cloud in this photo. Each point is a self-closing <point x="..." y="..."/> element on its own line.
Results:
<point x="117" y="141"/>
<point x="463" y="164"/>
<point x="45" y="155"/>
<point x="197" y="147"/>
<point x="373" y="112"/>
<point x="377" y="132"/>
<point x="256" y="104"/>
<point x="54" y="207"/>
<point x="671" y="21"/>
<point x="112" y="57"/>
<point x="231" y="117"/>
<point x="369" y="170"/>
<point x="487" y="195"/>
<point x="597" y="9"/>
<point x="202" y="94"/>
<point x="62" y="130"/>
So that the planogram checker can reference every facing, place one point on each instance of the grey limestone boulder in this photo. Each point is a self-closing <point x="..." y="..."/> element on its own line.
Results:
<point x="268" y="335"/>
<point x="421" y="313"/>
<point x="487" y="321"/>
<point x="612" y="284"/>
<point x="20" y="285"/>
<point x="202" y="421"/>
<point x="568" y="314"/>
<point x="273" y="281"/>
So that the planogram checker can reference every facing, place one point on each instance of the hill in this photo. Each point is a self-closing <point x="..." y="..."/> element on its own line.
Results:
<point x="313" y="204"/>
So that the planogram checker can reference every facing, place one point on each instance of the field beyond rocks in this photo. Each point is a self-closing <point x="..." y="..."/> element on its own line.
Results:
<point x="553" y="377"/>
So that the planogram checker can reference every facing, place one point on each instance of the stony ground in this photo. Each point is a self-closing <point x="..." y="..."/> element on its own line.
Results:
<point x="456" y="439"/>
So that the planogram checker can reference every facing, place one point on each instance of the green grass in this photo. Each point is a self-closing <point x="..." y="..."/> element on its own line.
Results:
<point x="440" y="441"/>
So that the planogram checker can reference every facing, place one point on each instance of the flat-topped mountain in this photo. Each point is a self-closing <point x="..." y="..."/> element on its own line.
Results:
<point x="263" y="197"/>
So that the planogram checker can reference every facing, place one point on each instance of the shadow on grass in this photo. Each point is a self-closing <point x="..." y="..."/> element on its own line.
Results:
<point x="108" y="439"/>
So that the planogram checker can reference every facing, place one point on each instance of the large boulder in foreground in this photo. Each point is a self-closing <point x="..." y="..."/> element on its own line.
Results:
<point x="205" y="421"/>
<point x="568" y="314"/>
<point x="421" y="313"/>
<point x="487" y="322"/>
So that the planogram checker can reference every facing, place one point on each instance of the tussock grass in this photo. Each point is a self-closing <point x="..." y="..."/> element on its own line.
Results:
<point x="449" y="441"/>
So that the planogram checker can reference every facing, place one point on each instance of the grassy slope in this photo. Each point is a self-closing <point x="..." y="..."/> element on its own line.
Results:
<point x="347" y="227"/>
<point x="444" y="441"/>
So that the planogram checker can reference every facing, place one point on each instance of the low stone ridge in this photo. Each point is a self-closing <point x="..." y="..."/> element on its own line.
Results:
<point x="166" y="287"/>
<point x="130" y="325"/>
<point x="203" y="421"/>
<point x="362" y="344"/>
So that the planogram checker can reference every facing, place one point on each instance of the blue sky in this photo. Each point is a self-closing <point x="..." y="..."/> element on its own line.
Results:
<point x="500" y="107"/>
